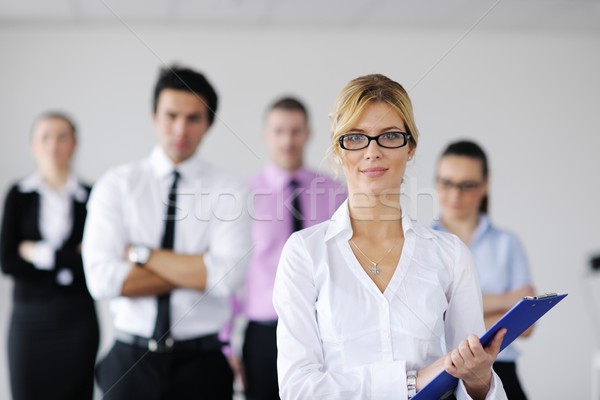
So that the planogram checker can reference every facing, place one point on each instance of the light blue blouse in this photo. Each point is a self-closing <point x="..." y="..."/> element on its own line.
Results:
<point x="501" y="263"/>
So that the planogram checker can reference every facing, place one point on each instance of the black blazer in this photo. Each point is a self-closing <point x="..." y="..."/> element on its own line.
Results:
<point x="21" y="222"/>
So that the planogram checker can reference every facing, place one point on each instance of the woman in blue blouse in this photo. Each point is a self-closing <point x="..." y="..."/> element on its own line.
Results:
<point x="462" y="184"/>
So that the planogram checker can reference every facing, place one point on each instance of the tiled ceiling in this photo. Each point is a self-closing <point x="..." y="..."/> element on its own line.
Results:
<point x="560" y="14"/>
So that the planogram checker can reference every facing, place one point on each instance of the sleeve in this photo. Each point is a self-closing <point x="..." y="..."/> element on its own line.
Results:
<point x="66" y="260"/>
<point x="496" y="391"/>
<point x="69" y="257"/>
<point x="519" y="267"/>
<point x="44" y="256"/>
<point x="230" y="245"/>
<point x="226" y="333"/>
<point x="105" y="239"/>
<point x="302" y="372"/>
<point x="11" y="237"/>
<point x="465" y="313"/>
<point x="465" y="306"/>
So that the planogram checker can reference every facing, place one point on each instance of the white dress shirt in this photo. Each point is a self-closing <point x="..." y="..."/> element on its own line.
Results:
<point x="128" y="206"/>
<point x="55" y="220"/>
<point x="339" y="337"/>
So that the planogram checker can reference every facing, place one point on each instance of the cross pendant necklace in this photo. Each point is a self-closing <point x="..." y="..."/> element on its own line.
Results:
<point x="374" y="270"/>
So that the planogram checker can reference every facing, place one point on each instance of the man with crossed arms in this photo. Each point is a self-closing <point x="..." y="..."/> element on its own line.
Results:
<point x="167" y="241"/>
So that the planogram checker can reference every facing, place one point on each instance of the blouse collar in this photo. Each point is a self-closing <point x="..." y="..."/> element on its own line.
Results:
<point x="35" y="183"/>
<point x="340" y="224"/>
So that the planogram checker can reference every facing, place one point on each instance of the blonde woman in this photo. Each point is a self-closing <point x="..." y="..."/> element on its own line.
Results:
<point x="364" y="298"/>
<point x="53" y="333"/>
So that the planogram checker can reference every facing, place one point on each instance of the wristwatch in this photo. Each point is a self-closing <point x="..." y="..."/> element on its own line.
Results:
<point x="139" y="254"/>
<point x="411" y="383"/>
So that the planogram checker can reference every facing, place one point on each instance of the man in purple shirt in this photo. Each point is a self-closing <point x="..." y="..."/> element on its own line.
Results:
<point x="287" y="197"/>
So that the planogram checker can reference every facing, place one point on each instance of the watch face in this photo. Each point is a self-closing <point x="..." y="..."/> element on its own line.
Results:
<point x="143" y="254"/>
<point x="139" y="255"/>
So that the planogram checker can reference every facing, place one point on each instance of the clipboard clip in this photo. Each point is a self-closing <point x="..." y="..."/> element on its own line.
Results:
<point x="542" y="296"/>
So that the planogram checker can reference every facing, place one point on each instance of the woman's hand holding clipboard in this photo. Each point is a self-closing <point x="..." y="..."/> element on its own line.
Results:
<point x="516" y="321"/>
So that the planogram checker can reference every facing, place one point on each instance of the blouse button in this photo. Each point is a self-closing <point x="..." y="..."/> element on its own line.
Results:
<point x="64" y="277"/>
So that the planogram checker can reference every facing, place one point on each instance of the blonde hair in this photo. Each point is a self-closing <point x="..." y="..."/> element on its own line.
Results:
<point x="356" y="95"/>
<point x="56" y="115"/>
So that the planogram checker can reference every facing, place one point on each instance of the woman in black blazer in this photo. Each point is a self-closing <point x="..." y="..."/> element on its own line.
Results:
<point x="53" y="334"/>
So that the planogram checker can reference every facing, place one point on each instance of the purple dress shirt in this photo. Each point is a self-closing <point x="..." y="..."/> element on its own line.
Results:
<point x="272" y="224"/>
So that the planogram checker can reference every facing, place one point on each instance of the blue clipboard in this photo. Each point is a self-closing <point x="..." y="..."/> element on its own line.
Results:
<point x="524" y="314"/>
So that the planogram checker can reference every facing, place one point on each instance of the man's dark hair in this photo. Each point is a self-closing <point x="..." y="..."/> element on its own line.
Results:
<point x="179" y="78"/>
<point x="289" y="104"/>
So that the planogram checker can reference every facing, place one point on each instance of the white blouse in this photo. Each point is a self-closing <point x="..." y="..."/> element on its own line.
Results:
<point x="339" y="337"/>
<point x="55" y="220"/>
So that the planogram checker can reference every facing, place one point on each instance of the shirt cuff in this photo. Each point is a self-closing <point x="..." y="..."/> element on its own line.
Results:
<point x="496" y="391"/>
<point x="388" y="380"/>
<point x="227" y="351"/>
<point x="43" y="256"/>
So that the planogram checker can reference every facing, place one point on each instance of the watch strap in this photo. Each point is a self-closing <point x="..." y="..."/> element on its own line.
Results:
<point x="411" y="383"/>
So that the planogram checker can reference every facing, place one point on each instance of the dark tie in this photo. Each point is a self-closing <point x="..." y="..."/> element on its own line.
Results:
<point x="296" y="211"/>
<point x="163" y="316"/>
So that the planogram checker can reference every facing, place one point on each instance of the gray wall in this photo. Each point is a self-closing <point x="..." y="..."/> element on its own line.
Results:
<point x="530" y="97"/>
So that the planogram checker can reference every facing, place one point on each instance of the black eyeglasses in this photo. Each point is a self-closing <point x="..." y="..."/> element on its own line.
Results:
<point x="359" y="141"/>
<point x="462" y="187"/>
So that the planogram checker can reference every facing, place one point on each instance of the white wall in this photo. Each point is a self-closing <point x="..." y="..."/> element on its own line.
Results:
<point x="530" y="97"/>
